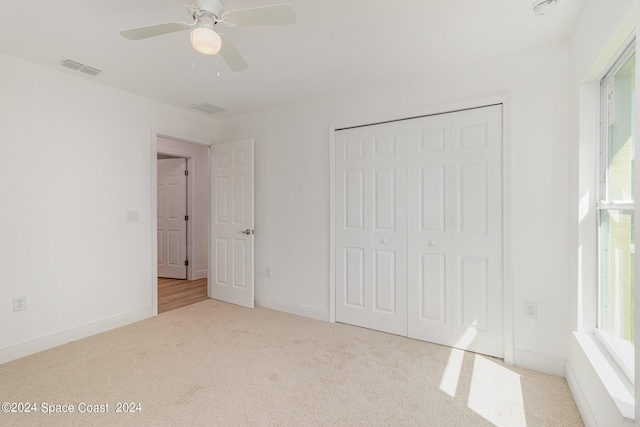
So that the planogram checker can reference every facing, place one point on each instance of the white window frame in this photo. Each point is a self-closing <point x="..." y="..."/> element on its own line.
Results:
<point x="623" y="359"/>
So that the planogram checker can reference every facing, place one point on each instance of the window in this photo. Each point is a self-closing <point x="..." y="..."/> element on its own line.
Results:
<point x="615" y="209"/>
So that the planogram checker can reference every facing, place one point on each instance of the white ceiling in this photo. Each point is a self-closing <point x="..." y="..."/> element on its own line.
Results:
<point x="335" y="45"/>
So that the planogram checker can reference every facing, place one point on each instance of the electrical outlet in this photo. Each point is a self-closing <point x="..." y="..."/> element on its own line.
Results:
<point x="19" y="303"/>
<point x="267" y="271"/>
<point x="133" y="216"/>
<point x="531" y="310"/>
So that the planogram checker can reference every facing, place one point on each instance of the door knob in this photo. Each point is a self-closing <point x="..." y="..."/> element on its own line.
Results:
<point x="432" y="243"/>
<point x="247" y="231"/>
<point x="384" y="241"/>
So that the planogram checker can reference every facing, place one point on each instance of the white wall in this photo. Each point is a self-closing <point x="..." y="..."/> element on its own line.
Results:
<point x="292" y="185"/>
<point x="74" y="157"/>
<point x="599" y="33"/>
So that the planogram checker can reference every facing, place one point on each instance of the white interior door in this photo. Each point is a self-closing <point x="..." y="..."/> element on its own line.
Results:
<point x="232" y="259"/>
<point x="172" y="224"/>
<point x="371" y="228"/>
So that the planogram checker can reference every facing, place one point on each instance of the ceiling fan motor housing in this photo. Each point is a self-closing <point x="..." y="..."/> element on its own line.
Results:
<point x="213" y="7"/>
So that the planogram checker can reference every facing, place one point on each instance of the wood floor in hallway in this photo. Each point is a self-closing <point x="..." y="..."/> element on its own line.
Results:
<point x="175" y="293"/>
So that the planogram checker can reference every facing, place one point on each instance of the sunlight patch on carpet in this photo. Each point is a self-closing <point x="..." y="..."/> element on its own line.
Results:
<point x="451" y="376"/>
<point x="496" y="393"/>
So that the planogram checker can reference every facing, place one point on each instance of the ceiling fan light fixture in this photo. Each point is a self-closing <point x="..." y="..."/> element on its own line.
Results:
<point x="544" y="7"/>
<point x="206" y="41"/>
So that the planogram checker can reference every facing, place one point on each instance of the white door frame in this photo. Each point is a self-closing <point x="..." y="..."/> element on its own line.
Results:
<point x="505" y="100"/>
<point x="155" y="133"/>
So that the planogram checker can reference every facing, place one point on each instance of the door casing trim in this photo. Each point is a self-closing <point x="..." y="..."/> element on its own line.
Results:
<point x="155" y="133"/>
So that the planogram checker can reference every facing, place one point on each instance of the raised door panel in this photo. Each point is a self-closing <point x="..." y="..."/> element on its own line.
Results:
<point x="173" y="242"/>
<point x="384" y="199"/>
<point x="432" y="288"/>
<point x="354" y="278"/>
<point x="472" y="134"/>
<point x="239" y="267"/>
<point x="221" y="261"/>
<point x="384" y="282"/>
<point x="384" y="141"/>
<point x="432" y="211"/>
<point x="473" y="292"/>
<point x="353" y="146"/>
<point x="175" y="201"/>
<point x="353" y="204"/>
<point x="473" y="194"/>
<point x="239" y="205"/>
<point x="221" y="208"/>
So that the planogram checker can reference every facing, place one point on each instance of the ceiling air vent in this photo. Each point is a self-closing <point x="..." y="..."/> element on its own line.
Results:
<point x="90" y="70"/>
<point x="206" y="107"/>
<point x="71" y="64"/>
<point x="80" y="67"/>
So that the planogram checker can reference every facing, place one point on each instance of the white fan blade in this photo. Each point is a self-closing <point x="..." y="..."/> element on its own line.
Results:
<point x="192" y="6"/>
<point x="154" y="30"/>
<point x="278" y="14"/>
<point x="232" y="57"/>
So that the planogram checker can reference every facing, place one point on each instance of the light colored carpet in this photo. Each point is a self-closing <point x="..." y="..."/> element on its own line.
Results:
<point x="213" y="363"/>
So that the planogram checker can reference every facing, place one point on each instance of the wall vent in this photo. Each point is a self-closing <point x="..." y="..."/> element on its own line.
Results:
<point x="206" y="107"/>
<point x="74" y="65"/>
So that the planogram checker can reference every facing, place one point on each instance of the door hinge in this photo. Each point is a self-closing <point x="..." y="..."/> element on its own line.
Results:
<point x="186" y="173"/>
<point x="186" y="263"/>
<point x="186" y="217"/>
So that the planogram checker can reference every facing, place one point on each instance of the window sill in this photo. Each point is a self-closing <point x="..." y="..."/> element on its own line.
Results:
<point x="613" y="379"/>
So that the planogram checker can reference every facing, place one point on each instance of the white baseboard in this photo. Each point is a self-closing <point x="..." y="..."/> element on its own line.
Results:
<point x="539" y="362"/>
<point x="581" y="401"/>
<point x="28" y="348"/>
<point x="291" y="308"/>
<point x="201" y="274"/>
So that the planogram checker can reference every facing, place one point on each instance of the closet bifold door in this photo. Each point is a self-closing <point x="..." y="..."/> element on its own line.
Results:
<point x="419" y="228"/>
<point x="455" y="260"/>
<point x="477" y="233"/>
<point x="371" y="281"/>
<point x="429" y="228"/>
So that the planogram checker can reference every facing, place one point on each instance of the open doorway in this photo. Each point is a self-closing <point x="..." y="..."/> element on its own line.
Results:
<point x="173" y="217"/>
<point x="191" y="285"/>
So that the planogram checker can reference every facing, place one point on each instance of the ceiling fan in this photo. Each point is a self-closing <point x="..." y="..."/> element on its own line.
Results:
<point x="208" y="13"/>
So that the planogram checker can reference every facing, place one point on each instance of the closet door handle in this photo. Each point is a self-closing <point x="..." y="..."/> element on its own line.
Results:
<point x="247" y="231"/>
